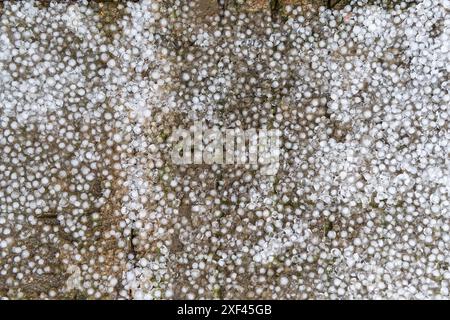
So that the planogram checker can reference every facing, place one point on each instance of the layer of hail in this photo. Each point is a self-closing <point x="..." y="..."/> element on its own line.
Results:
<point x="93" y="207"/>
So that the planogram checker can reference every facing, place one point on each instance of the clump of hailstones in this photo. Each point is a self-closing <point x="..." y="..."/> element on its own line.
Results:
<point x="92" y="205"/>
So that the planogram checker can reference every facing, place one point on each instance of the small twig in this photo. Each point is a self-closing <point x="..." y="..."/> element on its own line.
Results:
<point x="275" y="7"/>
<point x="332" y="4"/>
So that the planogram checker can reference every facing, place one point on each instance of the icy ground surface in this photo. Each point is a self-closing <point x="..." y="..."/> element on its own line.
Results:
<point x="91" y="205"/>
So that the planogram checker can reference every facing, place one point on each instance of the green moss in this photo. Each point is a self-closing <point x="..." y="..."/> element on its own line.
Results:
<point x="328" y="226"/>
